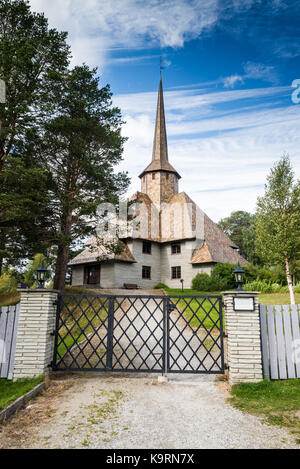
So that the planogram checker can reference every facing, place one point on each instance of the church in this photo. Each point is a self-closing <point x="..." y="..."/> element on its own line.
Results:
<point x="173" y="240"/>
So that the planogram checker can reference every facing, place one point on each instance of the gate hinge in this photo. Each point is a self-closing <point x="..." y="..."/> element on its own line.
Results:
<point x="226" y="366"/>
<point x="225" y="335"/>
<point x="55" y="303"/>
<point x="52" y="333"/>
<point x="50" y="365"/>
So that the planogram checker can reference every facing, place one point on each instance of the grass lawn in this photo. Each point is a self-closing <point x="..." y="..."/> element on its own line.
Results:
<point x="11" y="390"/>
<point x="277" y="401"/>
<point x="80" y="314"/>
<point x="196" y="311"/>
<point x="277" y="298"/>
<point x="195" y="314"/>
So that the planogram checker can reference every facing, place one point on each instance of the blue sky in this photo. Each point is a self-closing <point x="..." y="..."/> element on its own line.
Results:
<point x="229" y="67"/>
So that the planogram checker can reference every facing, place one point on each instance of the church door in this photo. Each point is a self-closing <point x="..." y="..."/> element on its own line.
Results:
<point x="92" y="275"/>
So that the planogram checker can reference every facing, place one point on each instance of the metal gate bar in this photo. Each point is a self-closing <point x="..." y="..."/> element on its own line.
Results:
<point x="139" y="333"/>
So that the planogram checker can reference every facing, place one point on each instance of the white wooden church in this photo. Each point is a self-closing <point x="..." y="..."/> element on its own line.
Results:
<point x="178" y="241"/>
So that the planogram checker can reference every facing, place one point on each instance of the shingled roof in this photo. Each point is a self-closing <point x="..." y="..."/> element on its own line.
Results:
<point x="94" y="252"/>
<point x="214" y="245"/>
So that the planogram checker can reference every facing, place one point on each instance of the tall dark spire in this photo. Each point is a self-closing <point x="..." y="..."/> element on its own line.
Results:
<point x="160" y="146"/>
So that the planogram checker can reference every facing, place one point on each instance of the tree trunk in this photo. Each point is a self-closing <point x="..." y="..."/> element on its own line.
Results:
<point x="289" y="280"/>
<point x="63" y="253"/>
<point x="61" y="268"/>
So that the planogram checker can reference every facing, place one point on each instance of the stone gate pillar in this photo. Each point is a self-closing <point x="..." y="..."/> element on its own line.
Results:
<point x="35" y="340"/>
<point x="242" y="324"/>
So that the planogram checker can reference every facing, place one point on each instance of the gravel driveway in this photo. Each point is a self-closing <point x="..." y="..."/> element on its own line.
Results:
<point x="130" y="411"/>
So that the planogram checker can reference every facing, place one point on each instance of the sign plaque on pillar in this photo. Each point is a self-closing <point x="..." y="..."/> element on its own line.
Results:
<point x="245" y="303"/>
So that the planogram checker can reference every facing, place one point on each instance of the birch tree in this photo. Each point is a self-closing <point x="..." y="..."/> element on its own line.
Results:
<point x="278" y="219"/>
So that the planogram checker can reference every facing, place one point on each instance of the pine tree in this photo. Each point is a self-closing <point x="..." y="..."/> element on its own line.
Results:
<point x="81" y="146"/>
<point x="32" y="58"/>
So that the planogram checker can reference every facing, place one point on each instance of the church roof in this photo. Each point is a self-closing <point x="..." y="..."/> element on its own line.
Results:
<point x="216" y="253"/>
<point x="160" y="160"/>
<point x="95" y="252"/>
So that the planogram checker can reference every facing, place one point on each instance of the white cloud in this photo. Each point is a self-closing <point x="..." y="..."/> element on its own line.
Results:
<point x="256" y="71"/>
<point x="132" y="60"/>
<point x="128" y="23"/>
<point x="261" y="72"/>
<point x="101" y="25"/>
<point x="188" y="99"/>
<point x="223" y="158"/>
<point x="230" y="82"/>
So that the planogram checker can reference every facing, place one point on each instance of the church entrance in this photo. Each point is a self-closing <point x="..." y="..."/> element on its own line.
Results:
<point x="92" y="275"/>
<point x="159" y="334"/>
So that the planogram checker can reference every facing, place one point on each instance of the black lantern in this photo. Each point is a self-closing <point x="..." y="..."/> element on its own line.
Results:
<point x="239" y="277"/>
<point x="182" y="283"/>
<point x="41" y="276"/>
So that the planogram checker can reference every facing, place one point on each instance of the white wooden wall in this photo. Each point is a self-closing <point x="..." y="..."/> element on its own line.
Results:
<point x="280" y="338"/>
<point x="9" y="317"/>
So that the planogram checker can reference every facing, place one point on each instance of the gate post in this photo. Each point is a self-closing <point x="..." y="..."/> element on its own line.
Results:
<point x="35" y="334"/>
<point x="242" y="323"/>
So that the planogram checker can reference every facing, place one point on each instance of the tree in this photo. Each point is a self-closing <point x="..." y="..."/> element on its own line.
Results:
<point x="278" y="219"/>
<point x="239" y="226"/>
<point x="80" y="147"/>
<point x="32" y="58"/>
<point x="25" y="216"/>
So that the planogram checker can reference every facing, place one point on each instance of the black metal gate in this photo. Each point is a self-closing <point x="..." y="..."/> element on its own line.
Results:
<point x="161" y="334"/>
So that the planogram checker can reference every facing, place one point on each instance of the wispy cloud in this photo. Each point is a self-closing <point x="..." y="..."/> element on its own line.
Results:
<point x="222" y="154"/>
<point x="131" y="60"/>
<point x="98" y="26"/>
<point x="254" y="71"/>
<point x="230" y="82"/>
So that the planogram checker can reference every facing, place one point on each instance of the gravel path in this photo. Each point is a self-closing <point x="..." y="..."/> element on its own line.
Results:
<point x="134" y="411"/>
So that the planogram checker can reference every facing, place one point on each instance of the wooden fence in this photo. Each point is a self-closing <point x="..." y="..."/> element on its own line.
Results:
<point x="8" y="334"/>
<point x="280" y="340"/>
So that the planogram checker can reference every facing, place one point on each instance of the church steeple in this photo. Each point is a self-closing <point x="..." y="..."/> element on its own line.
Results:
<point x="160" y="179"/>
<point x="160" y="145"/>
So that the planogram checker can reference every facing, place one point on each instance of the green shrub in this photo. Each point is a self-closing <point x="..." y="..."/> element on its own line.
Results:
<point x="8" y="284"/>
<point x="265" y="287"/>
<point x="274" y="275"/>
<point x="297" y="288"/>
<point x="202" y="282"/>
<point x="222" y="277"/>
<point x="161" y="286"/>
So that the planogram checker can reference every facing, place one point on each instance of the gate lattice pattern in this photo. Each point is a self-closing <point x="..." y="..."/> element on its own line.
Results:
<point x="171" y="334"/>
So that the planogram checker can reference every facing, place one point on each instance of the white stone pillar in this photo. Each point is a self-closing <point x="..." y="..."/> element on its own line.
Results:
<point x="242" y="324"/>
<point x="34" y="346"/>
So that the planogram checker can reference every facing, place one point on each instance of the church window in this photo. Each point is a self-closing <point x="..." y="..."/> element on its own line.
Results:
<point x="153" y="175"/>
<point x="147" y="247"/>
<point x="176" y="272"/>
<point x="176" y="248"/>
<point x="146" y="272"/>
<point x="167" y="176"/>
